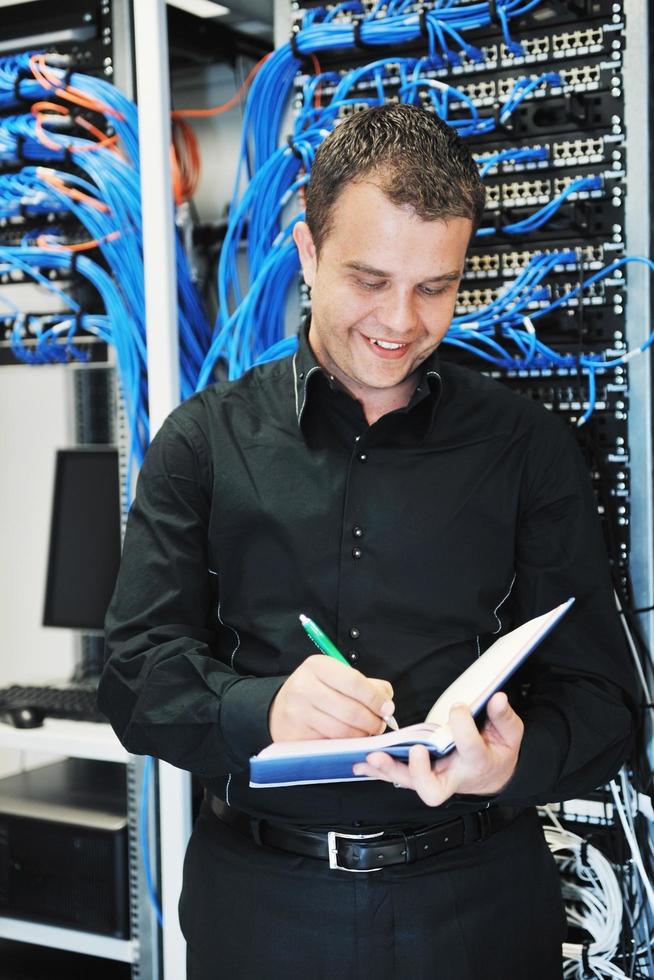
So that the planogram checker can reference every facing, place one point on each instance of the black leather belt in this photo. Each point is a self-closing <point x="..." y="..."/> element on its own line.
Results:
<point x="370" y="851"/>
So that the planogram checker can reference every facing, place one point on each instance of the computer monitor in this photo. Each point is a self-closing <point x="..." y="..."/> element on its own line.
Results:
<point x="84" y="538"/>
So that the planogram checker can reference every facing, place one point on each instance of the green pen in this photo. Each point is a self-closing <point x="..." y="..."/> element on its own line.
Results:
<point x="326" y="646"/>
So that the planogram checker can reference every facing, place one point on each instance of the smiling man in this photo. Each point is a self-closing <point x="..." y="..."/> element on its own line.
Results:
<point x="415" y="509"/>
<point x="383" y="292"/>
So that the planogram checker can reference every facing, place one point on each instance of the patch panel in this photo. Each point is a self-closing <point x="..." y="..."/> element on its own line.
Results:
<point x="540" y="190"/>
<point x="547" y="12"/>
<point x="472" y="296"/>
<point x="562" y="114"/>
<point x="567" y="43"/>
<point x="587" y="39"/>
<point x="530" y="191"/>
<point x="589" y="218"/>
<point x="486" y="91"/>
<point x="595" y="326"/>
<point x="569" y="108"/>
<point x="508" y="263"/>
<point x="94" y="348"/>
<point x="560" y="155"/>
<point x="585" y="150"/>
<point x="532" y="47"/>
<point x="349" y="110"/>
<point x="476" y="298"/>
<point x="486" y="265"/>
<point x="582" y="76"/>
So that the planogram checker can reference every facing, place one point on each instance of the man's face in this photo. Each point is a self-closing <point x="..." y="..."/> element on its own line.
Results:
<point x="382" y="291"/>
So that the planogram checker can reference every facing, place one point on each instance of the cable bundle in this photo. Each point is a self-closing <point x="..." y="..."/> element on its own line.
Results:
<point x="55" y="335"/>
<point x="593" y="903"/>
<point x="96" y="129"/>
<point x="251" y="319"/>
<point x="22" y="194"/>
<point x="388" y="23"/>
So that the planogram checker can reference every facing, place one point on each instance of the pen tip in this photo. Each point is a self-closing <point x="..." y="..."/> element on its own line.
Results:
<point x="302" y="618"/>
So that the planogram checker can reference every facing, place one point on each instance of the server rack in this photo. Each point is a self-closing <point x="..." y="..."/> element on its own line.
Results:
<point x="96" y="38"/>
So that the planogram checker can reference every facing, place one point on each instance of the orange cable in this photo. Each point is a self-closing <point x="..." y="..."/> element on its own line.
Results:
<point x="69" y="92"/>
<point x="185" y="160"/>
<point x="43" y="241"/>
<point x="217" y="110"/>
<point x="317" y="71"/>
<point x="77" y="195"/>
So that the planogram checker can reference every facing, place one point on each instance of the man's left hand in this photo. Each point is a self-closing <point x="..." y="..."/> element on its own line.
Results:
<point x="481" y="763"/>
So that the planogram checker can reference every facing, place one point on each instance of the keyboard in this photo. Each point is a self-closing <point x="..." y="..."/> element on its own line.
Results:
<point x="25" y="707"/>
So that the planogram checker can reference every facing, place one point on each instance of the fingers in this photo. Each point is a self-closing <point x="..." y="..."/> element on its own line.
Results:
<point x="380" y="765"/>
<point x="337" y="716"/>
<point x="433" y="788"/>
<point x="351" y="697"/>
<point x="433" y="785"/>
<point x="331" y="699"/>
<point x="508" y="726"/>
<point x="467" y="738"/>
<point x="371" y="692"/>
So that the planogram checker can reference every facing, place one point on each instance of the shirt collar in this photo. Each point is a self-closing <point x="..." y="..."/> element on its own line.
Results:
<point x="305" y="366"/>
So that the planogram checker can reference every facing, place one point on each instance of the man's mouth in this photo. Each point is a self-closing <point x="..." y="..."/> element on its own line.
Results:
<point x="386" y="345"/>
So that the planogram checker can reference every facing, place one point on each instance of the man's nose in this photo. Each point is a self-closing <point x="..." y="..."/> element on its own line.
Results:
<point x="398" y="313"/>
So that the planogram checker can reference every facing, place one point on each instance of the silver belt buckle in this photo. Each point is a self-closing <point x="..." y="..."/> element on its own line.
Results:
<point x="332" y="848"/>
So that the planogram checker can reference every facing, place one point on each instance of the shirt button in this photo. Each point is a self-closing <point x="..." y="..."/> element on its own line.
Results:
<point x="353" y="655"/>
<point x="356" y="552"/>
<point x="363" y="457"/>
<point x="355" y="633"/>
<point x="357" y="531"/>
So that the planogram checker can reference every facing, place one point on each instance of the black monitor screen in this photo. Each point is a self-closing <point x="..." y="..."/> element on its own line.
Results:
<point x="84" y="538"/>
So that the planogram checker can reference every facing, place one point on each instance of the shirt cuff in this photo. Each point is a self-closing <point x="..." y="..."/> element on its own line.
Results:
<point x="244" y="716"/>
<point x="544" y="747"/>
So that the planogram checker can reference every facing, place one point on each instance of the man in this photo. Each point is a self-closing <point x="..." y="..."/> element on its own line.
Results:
<point x="413" y="509"/>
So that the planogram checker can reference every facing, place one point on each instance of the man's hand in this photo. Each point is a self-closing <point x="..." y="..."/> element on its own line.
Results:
<point x="324" y="698"/>
<point x="482" y="763"/>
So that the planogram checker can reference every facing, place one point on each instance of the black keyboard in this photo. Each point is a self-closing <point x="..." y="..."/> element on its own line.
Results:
<point x="25" y="707"/>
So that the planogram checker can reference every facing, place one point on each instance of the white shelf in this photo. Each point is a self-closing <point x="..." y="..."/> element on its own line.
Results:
<point x="59" y="736"/>
<point x="92" y="943"/>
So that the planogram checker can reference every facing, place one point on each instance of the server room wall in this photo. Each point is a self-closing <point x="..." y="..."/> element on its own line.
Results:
<point x="35" y="420"/>
<point x="218" y="136"/>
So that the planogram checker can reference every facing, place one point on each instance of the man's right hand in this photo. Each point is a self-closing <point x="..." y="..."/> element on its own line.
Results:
<point x="324" y="698"/>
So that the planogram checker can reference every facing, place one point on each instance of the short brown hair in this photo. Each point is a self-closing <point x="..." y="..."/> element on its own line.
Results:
<point x="416" y="158"/>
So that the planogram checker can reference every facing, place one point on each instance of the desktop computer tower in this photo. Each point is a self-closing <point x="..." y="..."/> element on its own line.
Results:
<point x="63" y="846"/>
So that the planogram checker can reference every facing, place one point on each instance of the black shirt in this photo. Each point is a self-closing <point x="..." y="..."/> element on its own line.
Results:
<point x="412" y="542"/>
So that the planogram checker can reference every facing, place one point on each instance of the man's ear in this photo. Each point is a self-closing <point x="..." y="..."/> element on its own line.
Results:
<point x="306" y="250"/>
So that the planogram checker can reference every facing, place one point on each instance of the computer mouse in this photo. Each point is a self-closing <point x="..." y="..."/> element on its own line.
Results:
<point x="25" y="717"/>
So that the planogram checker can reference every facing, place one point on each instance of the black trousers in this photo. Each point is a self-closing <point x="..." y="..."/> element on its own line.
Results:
<point x="486" y="911"/>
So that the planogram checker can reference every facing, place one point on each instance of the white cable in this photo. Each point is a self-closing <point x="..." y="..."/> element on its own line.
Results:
<point x="593" y="903"/>
<point x="633" y="844"/>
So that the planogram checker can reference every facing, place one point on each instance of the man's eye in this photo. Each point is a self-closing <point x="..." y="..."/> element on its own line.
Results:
<point x="427" y="291"/>
<point x="370" y="285"/>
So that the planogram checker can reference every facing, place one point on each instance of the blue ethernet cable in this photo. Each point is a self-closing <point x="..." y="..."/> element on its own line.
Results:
<point x="525" y="86"/>
<point x="117" y="327"/>
<point x="148" y="766"/>
<point x="512" y="155"/>
<point x="383" y="26"/>
<point x="118" y="183"/>
<point x="17" y="84"/>
<point x="510" y="318"/>
<point x="545" y="213"/>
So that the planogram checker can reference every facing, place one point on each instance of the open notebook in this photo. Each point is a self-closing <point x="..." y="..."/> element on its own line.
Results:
<point x="328" y="760"/>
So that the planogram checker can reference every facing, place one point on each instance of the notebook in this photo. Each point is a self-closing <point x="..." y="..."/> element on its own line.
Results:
<point x="331" y="760"/>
